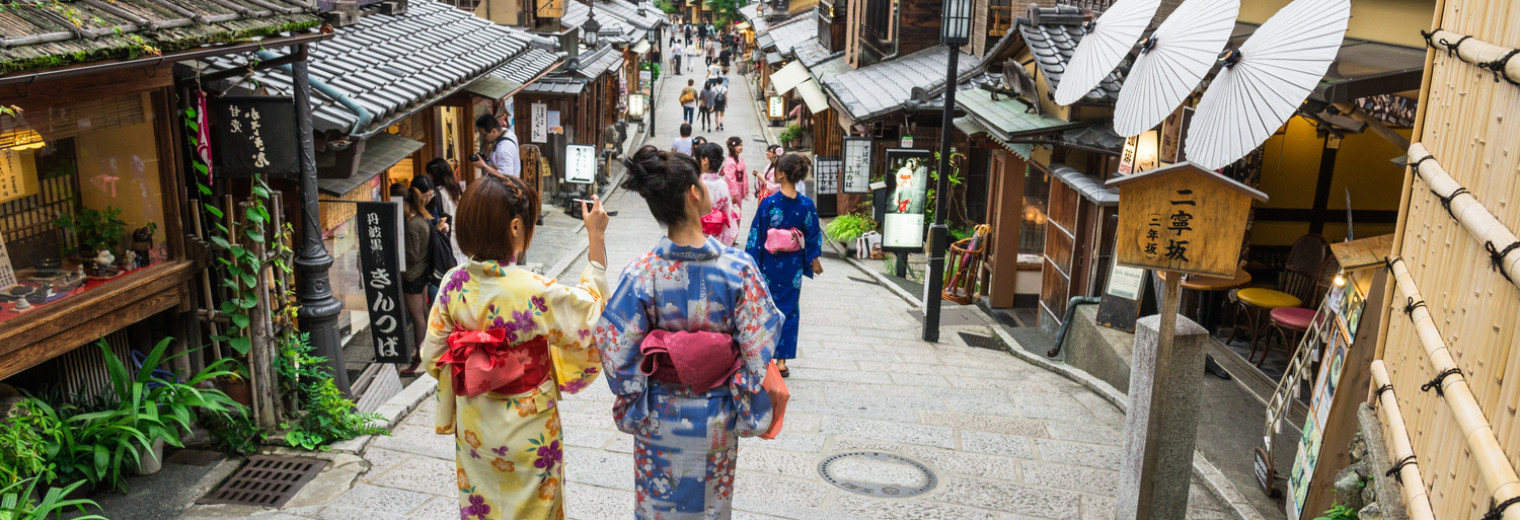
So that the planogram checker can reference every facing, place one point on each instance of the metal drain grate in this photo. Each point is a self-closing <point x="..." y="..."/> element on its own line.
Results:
<point x="266" y="481"/>
<point x="980" y="341"/>
<point x="895" y="469"/>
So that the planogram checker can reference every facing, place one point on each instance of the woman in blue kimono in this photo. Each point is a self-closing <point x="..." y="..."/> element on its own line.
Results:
<point x="685" y="441"/>
<point x="783" y="270"/>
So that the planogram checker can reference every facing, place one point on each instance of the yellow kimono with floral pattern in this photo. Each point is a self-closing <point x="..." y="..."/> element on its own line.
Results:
<point x="508" y="448"/>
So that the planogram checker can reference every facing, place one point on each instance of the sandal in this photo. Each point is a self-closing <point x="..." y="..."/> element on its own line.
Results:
<point x="785" y="373"/>
<point x="411" y="370"/>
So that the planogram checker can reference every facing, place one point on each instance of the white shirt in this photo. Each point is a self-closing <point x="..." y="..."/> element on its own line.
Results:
<point x="505" y="157"/>
<point x="682" y="145"/>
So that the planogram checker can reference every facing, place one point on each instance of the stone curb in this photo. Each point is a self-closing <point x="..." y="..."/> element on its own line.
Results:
<point x="393" y="411"/>
<point x="1213" y="479"/>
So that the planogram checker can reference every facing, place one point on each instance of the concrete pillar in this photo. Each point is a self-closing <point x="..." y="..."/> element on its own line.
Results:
<point x="1161" y="428"/>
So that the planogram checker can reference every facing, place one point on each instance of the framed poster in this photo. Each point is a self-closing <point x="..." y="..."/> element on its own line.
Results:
<point x="827" y="170"/>
<point x="539" y="128"/>
<point x="254" y="135"/>
<point x="1119" y="307"/>
<point x="776" y="107"/>
<point x="580" y="164"/>
<point x="908" y="179"/>
<point x="857" y="165"/>
<point x="380" y="264"/>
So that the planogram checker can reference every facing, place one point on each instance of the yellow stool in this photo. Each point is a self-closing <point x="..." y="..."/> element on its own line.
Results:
<point x="1254" y="302"/>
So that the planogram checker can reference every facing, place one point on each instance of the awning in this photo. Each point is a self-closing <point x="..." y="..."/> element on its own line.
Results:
<point x="764" y="40"/>
<point x="381" y="151"/>
<point x="641" y="48"/>
<point x="742" y="25"/>
<point x="1008" y="118"/>
<point x="968" y="125"/>
<point x="773" y="58"/>
<point x="1089" y="186"/>
<point x="492" y="87"/>
<point x="816" y="100"/>
<point x="790" y="76"/>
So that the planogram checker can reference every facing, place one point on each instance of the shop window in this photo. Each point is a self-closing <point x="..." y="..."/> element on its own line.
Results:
<point x="81" y="202"/>
<point x="1036" y="207"/>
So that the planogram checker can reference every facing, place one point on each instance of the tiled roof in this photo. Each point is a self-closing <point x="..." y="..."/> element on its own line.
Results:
<point x="833" y="66"/>
<point x="555" y="86"/>
<point x="50" y="34"/>
<point x="751" y="13"/>
<point x="1052" y="37"/>
<point x="869" y="92"/>
<point x="392" y="65"/>
<point x="613" y="27"/>
<point x="650" y="18"/>
<point x="1007" y="118"/>
<point x="812" y="52"/>
<point x="597" y="62"/>
<point x="795" y="31"/>
<point x="1099" y="136"/>
<point x="526" y="66"/>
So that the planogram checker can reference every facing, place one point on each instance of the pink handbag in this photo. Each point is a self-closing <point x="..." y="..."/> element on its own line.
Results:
<point x="783" y="240"/>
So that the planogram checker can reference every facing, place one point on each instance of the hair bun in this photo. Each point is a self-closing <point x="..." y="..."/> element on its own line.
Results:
<point x="644" y="171"/>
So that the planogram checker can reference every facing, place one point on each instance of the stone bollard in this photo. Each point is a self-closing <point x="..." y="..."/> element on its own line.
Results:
<point x="1161" y="427"/>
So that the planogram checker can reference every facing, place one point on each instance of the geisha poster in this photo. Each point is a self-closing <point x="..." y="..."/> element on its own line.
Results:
<point x="908" y="184"/>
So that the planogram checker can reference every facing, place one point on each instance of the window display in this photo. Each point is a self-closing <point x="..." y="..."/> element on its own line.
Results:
<point x="80" y="199"/>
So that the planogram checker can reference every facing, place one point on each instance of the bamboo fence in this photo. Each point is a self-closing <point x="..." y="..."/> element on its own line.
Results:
<point x="1462" y="311"/>
<point x="1396" y="436"/>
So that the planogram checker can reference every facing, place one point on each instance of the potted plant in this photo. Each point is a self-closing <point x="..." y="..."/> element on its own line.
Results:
<point x="16" y="502"/>
<point x="791" y="135"/>
<point x="846" y="228"/>
<point x="97" y="233"/>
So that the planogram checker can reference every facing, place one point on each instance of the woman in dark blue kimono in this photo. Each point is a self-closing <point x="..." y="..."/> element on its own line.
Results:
<point x="785" y="210"/>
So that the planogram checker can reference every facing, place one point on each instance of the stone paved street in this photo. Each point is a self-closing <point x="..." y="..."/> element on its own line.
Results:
<point x="1005" y="439"/>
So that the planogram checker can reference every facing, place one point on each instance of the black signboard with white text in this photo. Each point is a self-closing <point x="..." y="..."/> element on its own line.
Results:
<point x="379" y="242"/>
<point x="254" y="135"/>
<point x="827" y="171"/>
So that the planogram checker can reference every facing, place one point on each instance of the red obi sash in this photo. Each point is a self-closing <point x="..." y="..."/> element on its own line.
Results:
<point x="483" y="361"/>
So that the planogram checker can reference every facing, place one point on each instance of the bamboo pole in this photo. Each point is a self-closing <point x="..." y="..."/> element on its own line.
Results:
<point x="1492" y="464"/>
<point x="1396" y="436"/>
<point x="1475" y="51"/>
<point x="1470" y="213"/>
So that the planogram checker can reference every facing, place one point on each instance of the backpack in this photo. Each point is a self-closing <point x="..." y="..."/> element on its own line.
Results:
<point x="687" y="96"/>
<point x="722" y="97"/>
<point x="440" y="256"/>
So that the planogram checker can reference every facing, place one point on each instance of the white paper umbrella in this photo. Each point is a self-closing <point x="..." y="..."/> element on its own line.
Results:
<point x="1107" y="42"/>
<point x="1264" y="81"/>
<point x="1172" y="61"/>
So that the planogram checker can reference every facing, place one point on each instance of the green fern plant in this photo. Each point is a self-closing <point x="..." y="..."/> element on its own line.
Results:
<point x="846" y="228"/>
<point x="16" y="502"/>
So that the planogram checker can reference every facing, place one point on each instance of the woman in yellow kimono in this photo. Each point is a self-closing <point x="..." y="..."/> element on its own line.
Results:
<point x="504" y="343"/>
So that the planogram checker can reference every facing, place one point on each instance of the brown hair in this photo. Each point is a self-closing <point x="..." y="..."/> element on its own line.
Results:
<point x="411" y="199"/>
<point x="484" y="217"/>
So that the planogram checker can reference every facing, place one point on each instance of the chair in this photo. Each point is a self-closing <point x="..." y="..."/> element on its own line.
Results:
<point x="1294" y="287"/>
<point x="1295" y="321"/>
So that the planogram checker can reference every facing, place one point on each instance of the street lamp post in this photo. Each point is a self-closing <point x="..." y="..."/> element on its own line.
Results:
<point x="955" y="31"/>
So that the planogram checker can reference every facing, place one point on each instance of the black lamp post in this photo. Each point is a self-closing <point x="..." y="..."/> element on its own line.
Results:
<point x="319" y="308"/>
<point x="955" y="31"/>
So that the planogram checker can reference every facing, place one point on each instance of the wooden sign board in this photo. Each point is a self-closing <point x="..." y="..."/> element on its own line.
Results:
<point x="1182" y="218"/>
<point x="1120" y="305"/>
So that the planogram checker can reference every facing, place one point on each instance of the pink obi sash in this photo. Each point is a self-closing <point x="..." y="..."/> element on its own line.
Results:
<point x="700" y="360"/>
<point x="483" y="361"/>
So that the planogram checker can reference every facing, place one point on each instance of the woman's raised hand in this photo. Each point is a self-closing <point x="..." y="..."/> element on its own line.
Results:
<point x="595" y="216"/>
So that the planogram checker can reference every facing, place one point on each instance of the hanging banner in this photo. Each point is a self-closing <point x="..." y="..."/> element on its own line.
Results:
<point x="580" y="164"/>
<point x="857" y="165"/>
<point x="540" y="123"/>
<point x="18" y="174"/>
<point x="379" y="261"/>
<point x="254" y="135"/>
<point x="908" y="173"/>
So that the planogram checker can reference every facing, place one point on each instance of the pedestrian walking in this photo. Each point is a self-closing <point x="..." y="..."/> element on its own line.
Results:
<point x="504" y="343"/>
<point x="767" y="183"/>
<point x="414" y="279"/>
<point x="725" y="56"/>
<point x="686" y="430"/>
<point x="689" y="101"/>
<point x="691" y="50"/>
<point x="785" y="240"/>
<point x="675" y="55"/>
<point x="683" y="144"/>
<point x="720" y="101"/>
<point x="723" y="221"/>
<point x="709" y="98"/>
<point x="702" y="33"/>
<point x="449" y="191"/>
<point x="710" y="51"/>
<point x="733" y="170"/>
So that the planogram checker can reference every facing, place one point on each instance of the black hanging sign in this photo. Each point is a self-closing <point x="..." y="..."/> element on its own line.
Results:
<point x="379" y="242"/>
<point x="254" y="135"/>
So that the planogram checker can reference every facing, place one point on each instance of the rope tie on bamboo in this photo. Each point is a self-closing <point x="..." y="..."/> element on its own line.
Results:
<point x="1399" y="466"/>
<point x="1498" y="67"/>
<point x="1496" y="257"/>
<point x="1411" y="305"/>
<point x="1446" y="201"/>
<point x="1438" y="383"/>
<point x="1497" y="512"/>
<point x="1451" y="48"/>
<point x="1377" y="395"/>
<point x="1428" y="35"/>
<point x="1416" y="164"/>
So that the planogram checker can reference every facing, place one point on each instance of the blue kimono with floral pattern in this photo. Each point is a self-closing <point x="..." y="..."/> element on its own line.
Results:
<point x="784" y="271"/>
<point x="686" y="443"/>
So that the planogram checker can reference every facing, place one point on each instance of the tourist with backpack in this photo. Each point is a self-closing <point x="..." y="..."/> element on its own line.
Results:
<point x="720" y="101"/>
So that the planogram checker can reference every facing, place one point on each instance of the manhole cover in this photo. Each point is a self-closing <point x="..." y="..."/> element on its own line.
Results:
<point x="877" y="474"/>
<point x="266" y="481"/>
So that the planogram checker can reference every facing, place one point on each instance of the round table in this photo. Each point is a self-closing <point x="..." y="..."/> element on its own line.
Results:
<point x="1210" y="285"/>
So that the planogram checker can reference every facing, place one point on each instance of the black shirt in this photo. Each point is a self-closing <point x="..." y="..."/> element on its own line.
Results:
<point x="725" y="56"/>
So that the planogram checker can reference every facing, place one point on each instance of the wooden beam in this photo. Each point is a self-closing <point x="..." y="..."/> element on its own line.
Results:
<point x="1373" y="125"/>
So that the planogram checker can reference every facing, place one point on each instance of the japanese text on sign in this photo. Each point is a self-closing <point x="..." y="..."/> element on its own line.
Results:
<point x="857" y="165"/>
<point x="381" y="276"/>
<point x="1171" y="228"/>
<point x="255" y="135"/>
